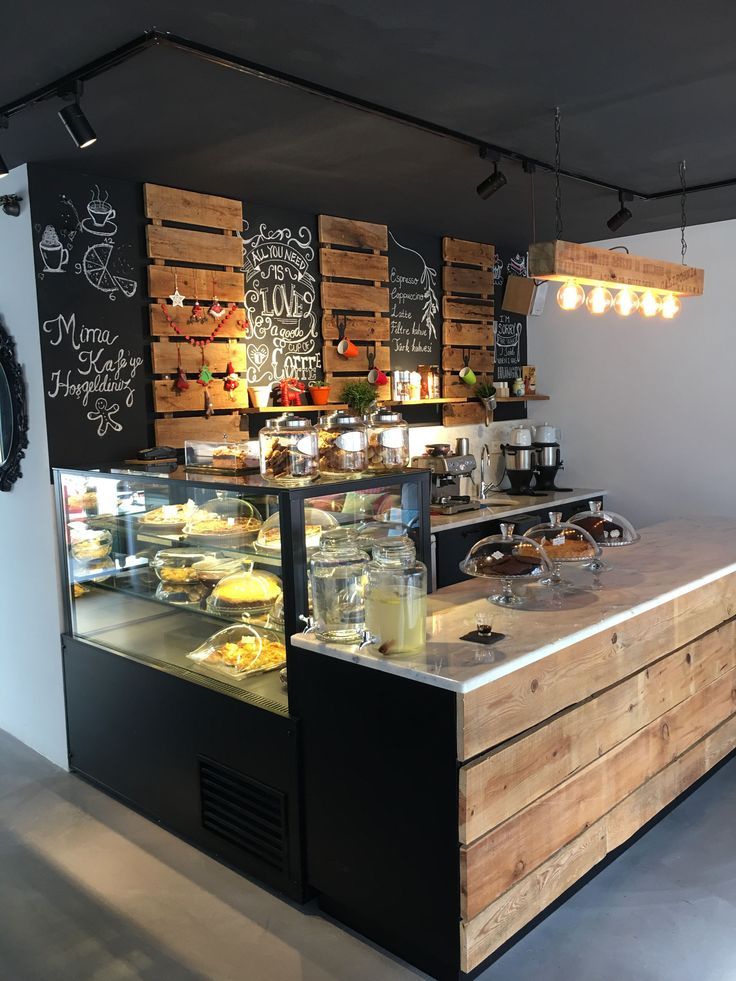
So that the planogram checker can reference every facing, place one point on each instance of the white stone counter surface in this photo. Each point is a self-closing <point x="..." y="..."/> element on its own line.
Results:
<point x="672" y="559"/>
<point x="502" y="506"/>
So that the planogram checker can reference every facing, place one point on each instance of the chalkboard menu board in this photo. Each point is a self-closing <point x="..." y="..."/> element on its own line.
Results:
<point x="281" y="269"/>
<point x="510" y="349"/>
<point x="87" y="236"/>
<point x="414" y="263"/>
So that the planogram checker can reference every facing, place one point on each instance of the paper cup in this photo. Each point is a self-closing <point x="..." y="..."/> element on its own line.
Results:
<point x="347" y="349"/>
<point x="259" y="396"/>
<point x="468" y="375"/>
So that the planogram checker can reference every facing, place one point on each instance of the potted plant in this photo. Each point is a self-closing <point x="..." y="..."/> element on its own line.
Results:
<point x="319" y="392"/>
<point x="486" y="392"/>
<point x="359" y="395"/>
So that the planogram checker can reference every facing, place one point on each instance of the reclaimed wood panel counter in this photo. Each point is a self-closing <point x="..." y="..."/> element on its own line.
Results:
<point x="589" y="717"/>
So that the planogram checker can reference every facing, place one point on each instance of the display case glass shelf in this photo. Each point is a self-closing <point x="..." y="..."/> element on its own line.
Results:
<point x="159" y="564"/>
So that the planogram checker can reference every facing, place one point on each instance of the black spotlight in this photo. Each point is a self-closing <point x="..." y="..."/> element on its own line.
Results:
<point x="3" y="168"/>
<point x="494" y="182"/>
<point x="11" y="205"/>
<point x="77" y="125"/>
<point x="622" y="215"/>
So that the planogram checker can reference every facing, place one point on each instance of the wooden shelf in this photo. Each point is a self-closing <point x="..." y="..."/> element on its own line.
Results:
<point x="523" y="398"/>
<point x="262" y="410"/>
<point x="425" y="401"/>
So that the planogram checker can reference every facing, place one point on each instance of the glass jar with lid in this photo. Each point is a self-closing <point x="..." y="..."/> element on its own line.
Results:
<point x="396" y="597"/>
<point x="607" y="529"/>
<point x="176" y="565"/>
<point x="337" y="577"/>
<point x="388" y="442"/>
<point x="88" y="545"/>
<point x="510" y="558"/>
<point x="343" y="445"/>
<point x="248" y="592"/>
<point x="562" y="543"/>
<point x="288" y="451"/>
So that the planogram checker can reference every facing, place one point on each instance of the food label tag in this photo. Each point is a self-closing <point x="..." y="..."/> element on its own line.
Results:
<point x="498" y="556"/>
<point x="392" y="438"/>
<point x="350" y="442"/>
<point x="560" y="540"/>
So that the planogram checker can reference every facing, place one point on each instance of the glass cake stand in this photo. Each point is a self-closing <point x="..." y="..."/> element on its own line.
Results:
<point x="606" y="528"/>
<point x="563" y="543"/>
<point x="508" y="558"/>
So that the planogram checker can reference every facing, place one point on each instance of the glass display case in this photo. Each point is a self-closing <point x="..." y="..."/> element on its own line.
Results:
<point x="160" y="567"/>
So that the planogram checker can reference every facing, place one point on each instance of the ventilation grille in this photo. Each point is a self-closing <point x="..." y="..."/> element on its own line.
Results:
<point x="244" y="812"/>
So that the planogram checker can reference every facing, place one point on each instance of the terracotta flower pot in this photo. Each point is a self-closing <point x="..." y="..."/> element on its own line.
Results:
<point x="319" y="396"/>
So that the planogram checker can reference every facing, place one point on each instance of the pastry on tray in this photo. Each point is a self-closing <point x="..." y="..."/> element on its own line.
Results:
<point x="209" y="525"/>
<point x="229" y="458"/>
<point x="170" y="517"/>
<point x="244" y="593"/>
<point x="241" y="650"/>
<point x="270" y="538"/>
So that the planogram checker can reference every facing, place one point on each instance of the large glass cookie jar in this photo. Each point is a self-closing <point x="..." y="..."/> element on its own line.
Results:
<point x="343" y="446"/>
<point x="508" y="558"/>
<point x="288" y="451"/>
<point x="563" y="542"/>
<point x="388" y="442"/>
<point x="337" y="577"/>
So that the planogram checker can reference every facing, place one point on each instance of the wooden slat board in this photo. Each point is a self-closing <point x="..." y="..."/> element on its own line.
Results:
<point x="160" y="326"/>
<point x="470" y="253"/>
<point x="174" y="431"/>
<point x="591" y="265"/>
<point x="513" y="910"/>
<point x="480" y="359"/>
<point x="351" y="233"/>
<point x="191" y="208"/>
<point x="334" y="362"/>
<point x="186" y="245"/>
<point x="352" y="296"/>
<point x="476" y="282"/>
<point x="458" y="308"/>
<point x="164" y="357"/>
<point x="166" y="399"/>
<point x="353" y="265"/>
<point x="498" y="785"/>
<point x="459" y="334"/>
<point x="453" y="387"/>
<point x="358" y="328"/>
<point x="462" y="413"/>
<point x="493" y="713"/>
<point x="196" y="284"/>
<point x="383" y="392"/>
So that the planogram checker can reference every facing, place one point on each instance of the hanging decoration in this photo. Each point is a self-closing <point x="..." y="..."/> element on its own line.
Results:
<point x="217" y="309"/>
<point x="181" y="383"/>
<point x="649" y="286"/>
<point x="232" y="380"/>
<point x="199" y="341"/>
<point x="177" y="298"/>
<point x="197" y="316"/>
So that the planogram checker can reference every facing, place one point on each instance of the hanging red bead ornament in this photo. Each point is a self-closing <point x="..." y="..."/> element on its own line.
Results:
<point x="198" y="342"/>
<point x="181" y="384"/>
<point x="232" y="380"/>
<point x="197" y="316"/>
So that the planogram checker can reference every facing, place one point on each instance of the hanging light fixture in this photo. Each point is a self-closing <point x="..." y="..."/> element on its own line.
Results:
<point x="73" y="117"/>
<point x="649" y="304"/>
<point x="626" y="302"/>
<point x="670" y="306"/>
<point x="494" y="182"/>
<point x="622" y="215"/>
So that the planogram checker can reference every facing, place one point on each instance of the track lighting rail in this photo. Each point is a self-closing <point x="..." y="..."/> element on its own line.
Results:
<point x="155" y="38"/>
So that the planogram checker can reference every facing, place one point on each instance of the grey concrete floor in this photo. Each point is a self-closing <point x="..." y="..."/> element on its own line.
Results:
<point x="90" y="891"/>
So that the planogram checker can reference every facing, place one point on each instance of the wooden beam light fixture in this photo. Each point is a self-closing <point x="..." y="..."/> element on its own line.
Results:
<point x="651" y="286"/>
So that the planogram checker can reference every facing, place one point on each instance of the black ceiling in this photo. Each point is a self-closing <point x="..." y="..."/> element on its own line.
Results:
<point x="640" y="86"/>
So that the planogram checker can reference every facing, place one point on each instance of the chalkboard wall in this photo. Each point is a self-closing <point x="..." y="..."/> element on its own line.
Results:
<point x="415" y="290"/>
<point x="510" y="352"/>
<point x="281" y="269"/>
<point x="89" y="259"/>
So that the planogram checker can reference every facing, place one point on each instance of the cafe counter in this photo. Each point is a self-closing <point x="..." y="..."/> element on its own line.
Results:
<point x="455" y="794"/>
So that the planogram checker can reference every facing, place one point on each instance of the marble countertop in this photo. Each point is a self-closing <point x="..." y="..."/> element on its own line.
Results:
<point x="502" y="505"/>
<point x="672" y="558"/>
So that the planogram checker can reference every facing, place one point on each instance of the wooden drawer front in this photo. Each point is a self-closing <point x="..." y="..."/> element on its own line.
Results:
<point x="528" y="896"/>
<point x="509" y="706"/>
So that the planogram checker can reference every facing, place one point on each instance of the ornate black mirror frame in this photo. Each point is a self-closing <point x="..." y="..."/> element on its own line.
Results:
<point x="10" y="467"/>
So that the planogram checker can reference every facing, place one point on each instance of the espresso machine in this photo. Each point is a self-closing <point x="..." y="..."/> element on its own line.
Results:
<point x="447" y="471"/>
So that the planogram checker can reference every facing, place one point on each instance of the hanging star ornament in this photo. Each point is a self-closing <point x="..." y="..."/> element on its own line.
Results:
<point x="177" y="299"/>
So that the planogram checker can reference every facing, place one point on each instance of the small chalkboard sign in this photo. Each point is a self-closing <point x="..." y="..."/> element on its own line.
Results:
<point x="281" y="296"/>
<point x="89" y="258"/>
<point x="510" y="343"/>
<point x="414" y="288"/>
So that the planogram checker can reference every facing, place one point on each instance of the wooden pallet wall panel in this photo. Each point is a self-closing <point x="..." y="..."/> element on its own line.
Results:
<point x="164" y="358"/>
<point x="186" y="245"/>
<point x="353" y="265"/>
<point x="459" y="250"/>
<point x="160" y="326"/>
<point x="351" y="233"/>
<point x="462" y="333"/>
<point x="174" y="430"/>
<point x="358" y="328"/>
<point x="196" y="284"/>
<point x="352" y="296"/>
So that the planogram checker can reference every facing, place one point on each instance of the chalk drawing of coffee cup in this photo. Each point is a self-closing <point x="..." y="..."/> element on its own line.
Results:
<point x="54" y="255"/>
<point x="100" y="212"/>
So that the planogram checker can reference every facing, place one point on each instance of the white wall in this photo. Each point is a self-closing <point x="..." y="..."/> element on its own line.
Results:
<point x="31" y="687"/>
<point x="646" y="407"/>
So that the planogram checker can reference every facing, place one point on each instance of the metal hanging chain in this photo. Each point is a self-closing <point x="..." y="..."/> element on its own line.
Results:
<point x="683" y="210"/>
<point x="534" y="206"/>
<point x="558" y="189"/>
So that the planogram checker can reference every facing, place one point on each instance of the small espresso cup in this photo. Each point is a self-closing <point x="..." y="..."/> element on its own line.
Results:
<point x="468" y="375"/>
<point x="347" y="349"/>
<point x="377" y="377"/>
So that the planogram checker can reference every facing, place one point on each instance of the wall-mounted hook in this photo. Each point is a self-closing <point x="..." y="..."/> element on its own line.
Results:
<point x="466" y="357"/>
<point x="342" y="325"/>
<point x="371" y="355"/>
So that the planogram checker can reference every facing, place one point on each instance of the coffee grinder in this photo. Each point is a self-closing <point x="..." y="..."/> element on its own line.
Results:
<point x="547" y="460"/>
<point x="520" y="467"/>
